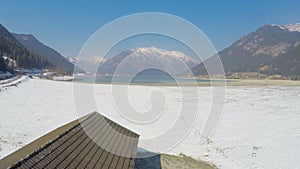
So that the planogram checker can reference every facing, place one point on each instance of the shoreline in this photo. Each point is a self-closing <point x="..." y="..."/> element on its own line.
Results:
<point x="192" y="81"/>
<point x="216" y="83"/>
<point x="226" y="82"/>
<point x="261" y="82"/>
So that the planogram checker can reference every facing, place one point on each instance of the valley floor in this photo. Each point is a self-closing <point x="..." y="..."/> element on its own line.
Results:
<point x="260" y="126"/>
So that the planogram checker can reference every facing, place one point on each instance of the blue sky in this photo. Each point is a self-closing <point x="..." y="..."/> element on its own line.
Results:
<point x="66" y="25"/>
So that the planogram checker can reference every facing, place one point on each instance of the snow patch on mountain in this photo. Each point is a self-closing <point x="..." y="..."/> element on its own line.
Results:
<point x="135" y="60"/>
<point x="88" y="63"/>
<point x="153" y="51"/>
<point x="290" y="27"/>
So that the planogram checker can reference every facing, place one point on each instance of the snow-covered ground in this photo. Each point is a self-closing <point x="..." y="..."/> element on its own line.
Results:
<point x="260" y="127"/>
<point x="12" y="81"/>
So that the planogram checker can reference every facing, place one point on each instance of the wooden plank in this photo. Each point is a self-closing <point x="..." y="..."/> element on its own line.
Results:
<point x="130" y="149"/>
<point x="114" y="144"/>
<point x="96" y="157"/>
<point x="71" y="149"/>
<point x="118" y="149"/>
<point x="85" y="149"/>
<point x="63" y="145"/>
<point x="122" y="159"/>
<point x="104" y="147"/>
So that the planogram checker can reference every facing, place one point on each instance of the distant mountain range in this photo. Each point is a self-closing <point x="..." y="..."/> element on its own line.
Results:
<point x="37" y="47"/>
<point x="270" y="50"/>
<point x="132" y="61"/>
<point x="88" y="64"/>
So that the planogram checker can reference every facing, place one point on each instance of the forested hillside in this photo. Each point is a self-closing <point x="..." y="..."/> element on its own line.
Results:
<point x="11" y="48"/>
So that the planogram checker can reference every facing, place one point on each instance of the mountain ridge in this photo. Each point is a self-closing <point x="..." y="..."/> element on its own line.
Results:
<point x="37" y="47"/>
<point x="290" y="27"/>
<point x="266" y="51"/>
<point x="131" y="61"/>
<point x="11" y="48"/>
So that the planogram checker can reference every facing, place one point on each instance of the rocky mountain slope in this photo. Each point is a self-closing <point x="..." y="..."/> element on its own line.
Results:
<point x="270" y="50"/>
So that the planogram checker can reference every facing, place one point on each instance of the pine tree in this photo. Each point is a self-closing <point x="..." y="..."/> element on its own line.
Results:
<point x="2" y="63"/>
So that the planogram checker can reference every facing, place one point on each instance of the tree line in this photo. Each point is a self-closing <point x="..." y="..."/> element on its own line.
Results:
<point x="23" y="58"/>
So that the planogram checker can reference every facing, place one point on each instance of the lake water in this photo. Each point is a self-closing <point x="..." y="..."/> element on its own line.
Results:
<point x="139" y="80"/>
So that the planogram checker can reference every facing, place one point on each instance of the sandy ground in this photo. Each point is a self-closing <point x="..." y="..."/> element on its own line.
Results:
<point x="253" y="82"/>
<point x="182" y="162"/>
<point x="260" y="126"/>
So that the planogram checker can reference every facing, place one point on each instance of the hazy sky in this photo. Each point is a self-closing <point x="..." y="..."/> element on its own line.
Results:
<point x="66" y="25"/>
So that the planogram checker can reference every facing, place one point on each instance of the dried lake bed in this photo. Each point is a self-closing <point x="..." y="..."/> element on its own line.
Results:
<point x="259" y="129"/>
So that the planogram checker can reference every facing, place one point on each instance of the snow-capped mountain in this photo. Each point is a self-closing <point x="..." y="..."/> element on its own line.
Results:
<point x="132" y="61"/>
<point x="94" y="59"/>
<point x="156" y="52"/>
<point x="71" y="59"/>
<point x="87" y="63"/>
<point x="290" y="27"/>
